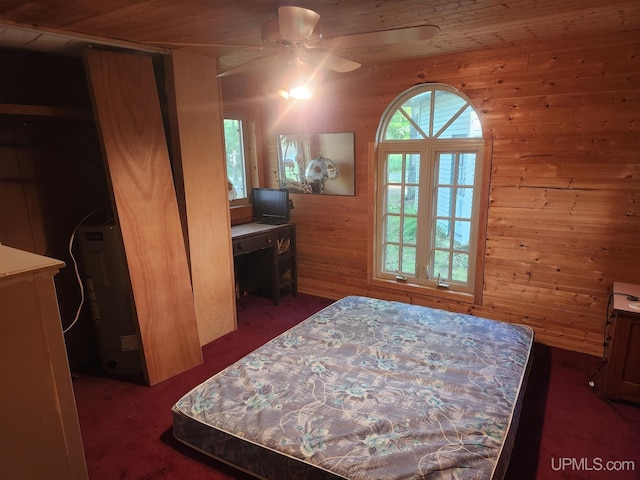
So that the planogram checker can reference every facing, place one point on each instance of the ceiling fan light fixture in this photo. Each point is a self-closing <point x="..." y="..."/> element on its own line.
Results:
<point x="296" y="93"/>
<point x="299" y="80"/>
<point x="301" y="92"/>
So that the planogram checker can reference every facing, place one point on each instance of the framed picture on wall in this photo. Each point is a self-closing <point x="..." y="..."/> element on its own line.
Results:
<point x="317" y="163"/>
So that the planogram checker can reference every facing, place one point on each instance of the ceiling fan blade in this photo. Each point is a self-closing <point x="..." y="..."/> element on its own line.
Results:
<point x="382" y="37"/>
<point x="205" y="45"/>
<point x="328" y="60"/>
<point x="250" y="65"/>
<point x="296" y="24"/>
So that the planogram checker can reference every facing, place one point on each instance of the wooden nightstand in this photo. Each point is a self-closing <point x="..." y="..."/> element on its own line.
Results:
<point x="623" y="370"/>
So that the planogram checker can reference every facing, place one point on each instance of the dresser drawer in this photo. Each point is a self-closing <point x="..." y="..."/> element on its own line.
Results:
<point x="252" y="243"/>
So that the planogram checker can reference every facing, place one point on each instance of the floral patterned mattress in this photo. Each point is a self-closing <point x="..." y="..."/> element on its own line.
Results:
<point x="367" y="389"/>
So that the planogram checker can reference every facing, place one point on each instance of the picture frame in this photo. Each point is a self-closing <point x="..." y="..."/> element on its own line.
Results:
<point x="317" y="163"/>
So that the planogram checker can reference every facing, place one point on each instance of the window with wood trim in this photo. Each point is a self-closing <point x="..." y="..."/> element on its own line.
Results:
<point x="237" y="158"/>
<point x="429" y="177"/>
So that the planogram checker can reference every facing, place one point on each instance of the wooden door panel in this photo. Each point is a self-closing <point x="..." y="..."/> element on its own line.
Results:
<point x="127" y="110"/>
<point x="198" y="145"/>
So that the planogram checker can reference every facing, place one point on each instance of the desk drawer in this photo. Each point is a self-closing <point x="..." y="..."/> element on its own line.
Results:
<point x="252" y="243"/>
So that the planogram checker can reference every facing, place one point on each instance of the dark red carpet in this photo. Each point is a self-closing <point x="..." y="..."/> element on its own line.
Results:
<point x="566" y="431"/>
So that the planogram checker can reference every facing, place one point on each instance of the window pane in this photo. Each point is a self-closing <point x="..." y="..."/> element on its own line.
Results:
<point x="446" y="105"/>
<point x="394" y="199"/>
<point x="444" y="202"/>
<point x="467" y="169"/>
<point x="419" y="108"/>
<point x="393" y="228"/>
<point x="408" y="260"/>
<point x="394" y="168"/>
<point x="443" y="233"/>
<point x="398" y="128"/>
<point x="411" y="200"/>
<point x="462" y="235"/>
<point x="234" y="149"/>
<point x="441" y="264"/>
<point x="464" y="126"/>
<point x="413" y="168"/>
<point x="464" y="197"/>
<point x="475" y="130"/>
<point x="460" y="272"/>
<point x="446" y="166"/>
<point x="409" y="230"/>
<point x="391" y="258"/>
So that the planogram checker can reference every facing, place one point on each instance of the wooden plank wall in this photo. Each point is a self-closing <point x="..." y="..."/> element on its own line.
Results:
<point x="563" y="223"/>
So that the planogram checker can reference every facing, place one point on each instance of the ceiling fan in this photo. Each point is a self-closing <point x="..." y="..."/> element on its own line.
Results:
<point x="295" y="36"/>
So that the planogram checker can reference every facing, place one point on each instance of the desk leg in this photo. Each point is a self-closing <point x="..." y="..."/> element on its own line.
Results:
<point x="275" y="277"/>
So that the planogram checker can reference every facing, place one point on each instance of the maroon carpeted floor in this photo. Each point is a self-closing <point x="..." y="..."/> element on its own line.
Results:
<point x="566" y="431"/>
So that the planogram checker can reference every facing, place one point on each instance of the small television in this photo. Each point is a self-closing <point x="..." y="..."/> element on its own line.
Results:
<point x="270" y="205"/>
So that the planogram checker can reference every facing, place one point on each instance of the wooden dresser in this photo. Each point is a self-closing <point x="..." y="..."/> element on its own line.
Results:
<point x="39" y="429"/>
<point x="623" y="370"/>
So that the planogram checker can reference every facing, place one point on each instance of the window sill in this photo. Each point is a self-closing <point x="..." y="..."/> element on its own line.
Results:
<point x="423" y="291"/>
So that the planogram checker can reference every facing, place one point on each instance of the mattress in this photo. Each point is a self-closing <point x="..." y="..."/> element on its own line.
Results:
<point x="367" y="389"/>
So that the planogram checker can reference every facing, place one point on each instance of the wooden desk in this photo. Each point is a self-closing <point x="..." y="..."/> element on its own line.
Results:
<point x="265" y="258"/>
<point x="623" y="369"/>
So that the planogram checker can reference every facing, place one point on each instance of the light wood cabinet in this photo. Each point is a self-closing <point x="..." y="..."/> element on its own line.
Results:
<point x="623" y="370"/>
<point x="39" y="429"/>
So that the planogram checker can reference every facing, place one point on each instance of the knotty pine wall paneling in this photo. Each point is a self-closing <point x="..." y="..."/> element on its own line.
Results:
<point x="198" y="143"/>
<point x="129" y="119"/>
<point x="563" y="217"/>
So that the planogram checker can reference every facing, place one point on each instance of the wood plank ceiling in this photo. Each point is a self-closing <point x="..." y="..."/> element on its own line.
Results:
<point x="465" y="25"/>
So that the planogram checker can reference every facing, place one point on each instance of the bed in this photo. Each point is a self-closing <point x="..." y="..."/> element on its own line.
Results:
<point x="367" y="389"/>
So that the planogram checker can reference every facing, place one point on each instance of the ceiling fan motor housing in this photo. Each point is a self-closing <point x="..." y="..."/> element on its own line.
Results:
<point x="271" y="32"/>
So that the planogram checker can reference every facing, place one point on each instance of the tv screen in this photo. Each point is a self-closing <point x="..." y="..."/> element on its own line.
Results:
<point x="270" y="205"/>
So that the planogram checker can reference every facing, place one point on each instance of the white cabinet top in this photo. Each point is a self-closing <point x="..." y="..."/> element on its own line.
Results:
<point x="14" y="262"/>
<point x="621" y="300"/>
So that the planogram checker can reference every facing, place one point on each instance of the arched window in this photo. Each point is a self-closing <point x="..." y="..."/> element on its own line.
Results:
<point x="429" y="174"/>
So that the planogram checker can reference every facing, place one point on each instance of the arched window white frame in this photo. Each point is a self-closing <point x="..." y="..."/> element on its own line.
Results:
<point x="429" y="179"/>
